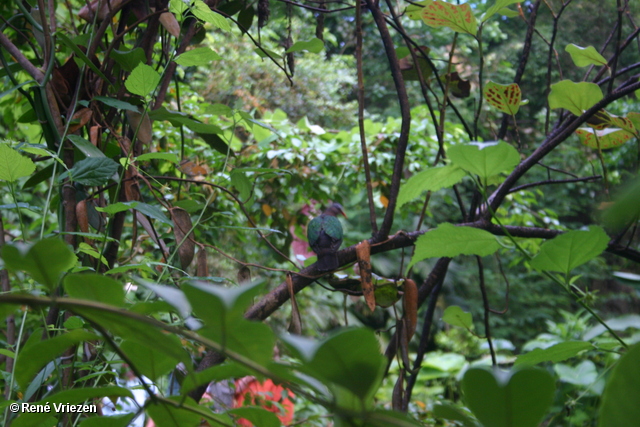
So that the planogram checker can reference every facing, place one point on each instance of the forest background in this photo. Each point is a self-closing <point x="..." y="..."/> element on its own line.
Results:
<point x="161" y="161"/>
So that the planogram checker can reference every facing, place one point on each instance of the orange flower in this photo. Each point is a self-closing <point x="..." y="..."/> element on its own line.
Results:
<point x="267" y="395"/>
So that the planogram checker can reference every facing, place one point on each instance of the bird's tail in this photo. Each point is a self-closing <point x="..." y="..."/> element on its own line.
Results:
<point x="327" y="262"/>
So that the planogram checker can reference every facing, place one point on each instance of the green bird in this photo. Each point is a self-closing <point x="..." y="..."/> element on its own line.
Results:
<point x="325" y="237"/>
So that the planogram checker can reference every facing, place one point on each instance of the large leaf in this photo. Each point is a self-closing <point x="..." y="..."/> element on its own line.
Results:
<point x="86" y="147"/>
<point x="457" y="17"/>
<point x="432" y="179"/>
<point x="13" y="165"/>
<point x="455" y="316"/>
<point x="350" y="358"/>
<point x="484" y="159"/>
<point x="315" y="45"/>
<point x="197" y="56"/>
<point x="555" y="353"/>
<point x="449" y="241"/>
<point x="506" y="98"/>
<point x="149" y="210"/>
<point x="148" y="360"/>
<point x="584" y="374"/>
<point x="45" y="261"/>
<point x="508" y="399"/>
<point x="95" y="287"/>
<point x="34" y="357"/>
<point x="168" y="415"/>
<point x="575" y="97"/>
<point x="256" y="415"/>
<point x="621" y="398"/>
<point x="570" y="250"/>
<point x="204" y="12"/>
<point x="626" y="208"/>
<point x="142" y="80"/>
<point x="583" y="56"/>
<point x="92" y="171"/>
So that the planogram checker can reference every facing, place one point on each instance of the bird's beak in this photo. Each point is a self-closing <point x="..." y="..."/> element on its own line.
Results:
<point x="342" y="213"/>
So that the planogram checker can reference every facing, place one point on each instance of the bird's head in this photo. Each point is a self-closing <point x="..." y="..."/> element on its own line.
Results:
<point x="334" y="209"/>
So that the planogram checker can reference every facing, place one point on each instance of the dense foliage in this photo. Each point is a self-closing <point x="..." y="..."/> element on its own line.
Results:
<point x="160" y="161"/>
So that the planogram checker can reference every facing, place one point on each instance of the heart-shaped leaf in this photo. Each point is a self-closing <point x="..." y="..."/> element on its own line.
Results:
<point x="506" y="98"/>
<point x="603" y="139"/>
<point x="575" y="97"/>
<point x="583" y="56"/>
<point x="508" y="399"/>
<point x="457" y="17"/>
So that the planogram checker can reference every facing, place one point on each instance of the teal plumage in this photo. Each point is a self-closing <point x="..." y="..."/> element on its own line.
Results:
<point x="325" y="237"/>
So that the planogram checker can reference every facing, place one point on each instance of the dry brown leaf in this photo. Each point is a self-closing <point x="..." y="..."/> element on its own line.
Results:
<point x="144" y="129"/>
<point x="410" y="306"/>
<point x="202" y="269"/>
<point x="170" y="23"/>
<point x="397" y="397"/>
<point x="363" y="252"/>
<point x="94" y="134"/>
<point x="79" y="119"/>
<point x="182" y="226"/>
<point x="82" y="217"/>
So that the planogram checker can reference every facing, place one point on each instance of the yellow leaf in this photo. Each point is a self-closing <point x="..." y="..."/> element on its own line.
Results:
<point x="384" y="201"/>
<point x="267" y="209"/>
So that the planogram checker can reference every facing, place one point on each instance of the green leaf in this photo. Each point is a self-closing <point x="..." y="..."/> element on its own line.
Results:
<point x="147" y="360"/>
<point x="256" y="415"/>
<point x="455" y="316"/>
<point x="92" y="171"/>
<point x="625" y="208"/>
<point x="555" y="353"/>
<point x="13" y="165"/>
<point x="484" y="159"/>
<point x="450" y="241"/>
<point x="505" y="399"/>
<point x="129" y="59"/>
<point x="584" y="374"/>
<point x="583" y="56"/>
<point x="169" y="157"/>
<point x="149" y="210"/>
<point x="142" y="80"/>
<point x="358" y="370"/>
<point x="116" y="103"/>
<point x="457" y="17"/>
<point x="127" y="326"/>
<point x="315" y="45"/>
<point x="202" y="11"/>
<point x="197" y="56"/>
<point x="506" y="98"/>
<point x="38" y="177"/>
<point x="619" y="405"/>
<point x="240" y="181"/>
<point x="497" y="8"/>
<point x="45" y="261"/>
<point x="432" y="179"/>
<point x="86" y="147"/>
<point x="173" y="296"/>
<point x="575" y="97"/>
<point x="95" y="287"/>
<point x="34" y="357"/>
<point x="567" y="251"/>
<point x="215" y="373"/>
<point x="604" y="138"/>
<point x="72" y="397"/>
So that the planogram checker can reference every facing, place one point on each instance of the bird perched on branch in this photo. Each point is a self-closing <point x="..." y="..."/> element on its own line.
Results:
<point x="325" y="237"/>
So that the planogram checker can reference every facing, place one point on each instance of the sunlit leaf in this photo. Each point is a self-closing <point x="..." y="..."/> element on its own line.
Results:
<point x="142" y="80"/>
<point x="449" y="241"/>
<point x="13" y="165"/>
<point x="570" y="250"/>
<point x="575" y="97"/>
<point x="506" y="98"/>
<point x="315" y="45"/>
<point x="197" y="56"/>
<point x="204" y="12"/>
<point x="498" y="7"/>
<point x="455" y="316"/>
<point x="457" y="17"/>
<point x="583" y="56"/>
<point x="484" y="159"/>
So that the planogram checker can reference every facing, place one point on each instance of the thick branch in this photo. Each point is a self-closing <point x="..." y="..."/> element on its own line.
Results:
<point x="405" y="112"/>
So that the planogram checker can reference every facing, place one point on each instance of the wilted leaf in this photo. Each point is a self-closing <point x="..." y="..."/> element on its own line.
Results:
<point x="363" y="253"/>
<point x="183" y="233"/>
